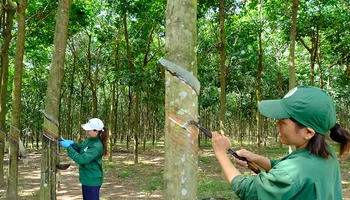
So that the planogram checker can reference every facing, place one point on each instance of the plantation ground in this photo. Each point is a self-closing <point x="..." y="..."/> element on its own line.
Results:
<point x="125" y="181"/>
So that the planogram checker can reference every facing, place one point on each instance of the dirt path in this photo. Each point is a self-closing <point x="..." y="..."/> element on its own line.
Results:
<point x="69" y="187"/>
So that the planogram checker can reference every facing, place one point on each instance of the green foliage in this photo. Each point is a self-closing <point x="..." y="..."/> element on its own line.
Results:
<point x="108" y="165"/>
<point x="209" y="187"/>
<point x="41" y="23"/>
<point x="80" y="15"/>
<point x="205" y="160"/>
<point x="345" y="166"/>
<point x="124" y="175"/>
<point x="156" y="182"/>
<point x="97" y="44"/>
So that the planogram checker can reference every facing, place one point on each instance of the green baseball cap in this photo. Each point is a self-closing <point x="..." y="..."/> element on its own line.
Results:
<point x="310" y="106"/>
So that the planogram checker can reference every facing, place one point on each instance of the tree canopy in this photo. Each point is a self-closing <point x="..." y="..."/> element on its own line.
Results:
<point x="116" y="44"/>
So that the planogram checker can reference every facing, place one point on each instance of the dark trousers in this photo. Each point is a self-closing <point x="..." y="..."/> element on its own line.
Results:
<point x="91" y="192"/>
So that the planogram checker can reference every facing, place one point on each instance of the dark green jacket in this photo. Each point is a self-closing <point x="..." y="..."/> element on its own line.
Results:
<point x="299" y="176"/>
<point x="89" y="160"/>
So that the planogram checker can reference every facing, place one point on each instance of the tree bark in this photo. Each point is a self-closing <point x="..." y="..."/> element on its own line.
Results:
<point x="52" y="104"/>
<point x="258" y="78"/>
<point x="111" y="122"/>
<point x="4" y="65"/>
<point x="181" y="146"/>
<point x="82" y="135"/>
<point x="222" y="66"/>
<point x="131" y="99"/>
<point x="292" y="51"/>
<point x="16" y="104"/>
<point x="137" y="127"/>
<point x="313" y="52"/>
<point x="69" y="117"/>
<point x="293" y="30"/>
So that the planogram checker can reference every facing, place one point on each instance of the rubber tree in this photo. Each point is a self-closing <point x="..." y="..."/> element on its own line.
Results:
<point x="222" y="65"/>
<point x="52" y="104"/>
<point x="181" y="146"/>
<point x="293" y="30"/>
<point x="7" y="17"/>
<point x="292" y="52"/>
<point x="16" y="104"/>
<point x="132" y="100"/>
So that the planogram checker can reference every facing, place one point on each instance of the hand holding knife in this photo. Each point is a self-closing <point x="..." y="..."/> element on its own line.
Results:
<point x="251" y="165"/>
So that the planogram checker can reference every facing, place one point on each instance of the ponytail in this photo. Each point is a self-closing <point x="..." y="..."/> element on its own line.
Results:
<point x="318" y="145"/>
<point x="104" y="138"/>
<point x="341" y="136"/>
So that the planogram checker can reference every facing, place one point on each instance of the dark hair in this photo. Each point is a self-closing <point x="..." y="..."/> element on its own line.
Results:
<point x="318" y="146"/>
<point x="103" y="134"/>
<point x="341" y="136"/>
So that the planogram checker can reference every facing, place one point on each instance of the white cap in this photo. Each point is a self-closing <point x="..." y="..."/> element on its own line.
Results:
<point x="93" y="124"/>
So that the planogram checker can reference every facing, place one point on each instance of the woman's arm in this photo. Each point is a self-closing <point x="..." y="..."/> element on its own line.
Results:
<point x="220" y="145"/>
<point x="89" y="154"/>
<point x="262" y="161"/>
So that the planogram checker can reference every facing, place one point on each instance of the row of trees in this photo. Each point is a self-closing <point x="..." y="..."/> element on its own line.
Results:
<point x="244" y="52"/>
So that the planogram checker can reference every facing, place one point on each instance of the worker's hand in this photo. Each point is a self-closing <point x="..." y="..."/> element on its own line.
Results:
<point x="221" y="144"/>
<point x="244" y="153"/>
<point x="69" y="141"/>
<point x="65" y="143"/>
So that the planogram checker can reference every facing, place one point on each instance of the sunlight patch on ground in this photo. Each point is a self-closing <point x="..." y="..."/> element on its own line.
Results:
<point x="25" y="194"/>
<point x="206" y="153"/>
<point x="128" y="162"/>
<point x="68" y="197"/>
<point x="118" y="186"/>
<point x="32" y="175"/>
<point x="156" y="161"/>
<point x="29" y="192"/>
<point x="68" y="173"/>
<point x="119" y="157"/>
<point x="32" y="190"/>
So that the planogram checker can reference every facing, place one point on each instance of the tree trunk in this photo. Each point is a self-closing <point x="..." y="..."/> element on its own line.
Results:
<point x="137" y="127"/>
<point x="69" y="102"/>
<point x="16" y="104"/>
<point x="313" y="53"/>
<point x="292" y="44"/>
<point x="146" y="120"/>
<point x="319" y="63"/>
<point x="280" y="90"/>
<point x="81" y="135"/>
<point x="258" y="79"/>
<point x="181" y="146"/>
<point x="136" y="117"/>
<point x="144" y="65"/>
<point x="129" y="119"/>
<point x="2" y="152"/>
<point x="251" y="123"/>
<point x="6" y="34"/>
<point x="94" y="84"/>
<point x="114" y="105"/>
<point x="52" y="104"/>
<point x="111" y="122"/>
<point x="123" y="121"/>
<point x="117" y="127"/>
<point x="292" y="50"/>
<point x="222" y="66"/>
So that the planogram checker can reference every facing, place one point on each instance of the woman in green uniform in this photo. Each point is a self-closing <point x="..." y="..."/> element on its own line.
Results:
<point x="89" y="157"/>
<point x="305" y="114"/>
